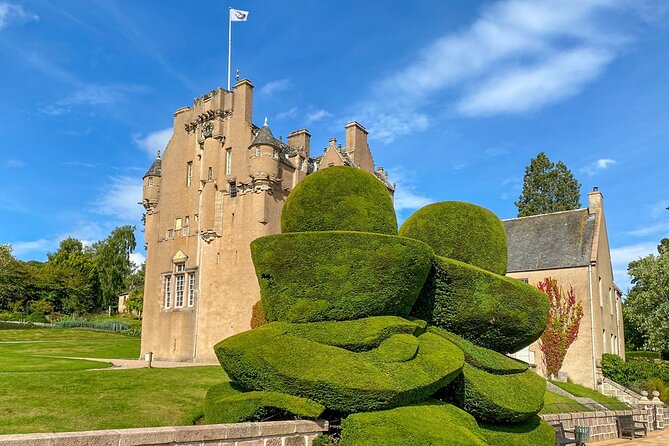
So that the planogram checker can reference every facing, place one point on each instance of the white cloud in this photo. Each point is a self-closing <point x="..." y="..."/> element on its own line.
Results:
<point x="120" y="199"/>
<point x="598" y="166"/>
<point x="155" y="141"/>
<point x="657" y="228"/>
<point x="318" y="115"/>
<point x="23" y="248"/>
<point x="11" y="13"/>
<point x="621" y="257"/>
<point x="137" y="258"/>
<point x="274" y="86"/>
<point x="406" y="195"/>
<point x="287" y="114"/>
<point x="92" y="95"/>
<point x="518" y="55"/>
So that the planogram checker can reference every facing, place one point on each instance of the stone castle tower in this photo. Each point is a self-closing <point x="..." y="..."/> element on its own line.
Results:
<point x="220" y="184"/>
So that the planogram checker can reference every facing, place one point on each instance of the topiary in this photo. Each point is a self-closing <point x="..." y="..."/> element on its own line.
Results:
<point x="532" y="432"/>
<point x="495" y="312"/>
<point x="316" y="276"/>
<point x="339" y="199"/>
<point x="461" y="231"/>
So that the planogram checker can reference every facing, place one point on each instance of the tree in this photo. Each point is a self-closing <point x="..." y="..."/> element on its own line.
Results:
<point x="548" y="187"/>
<point x="112" y="258"/>
<point x="564" y="320"/>
<point x="12" y="280"/>
<point x="647" y="303"/>
<point x="135" y="302"/>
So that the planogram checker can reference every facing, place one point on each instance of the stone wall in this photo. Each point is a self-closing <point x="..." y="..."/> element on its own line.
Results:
<point x="612" y="388"/>
<point x="602" y="424"/>
<point x="270" y="433"/>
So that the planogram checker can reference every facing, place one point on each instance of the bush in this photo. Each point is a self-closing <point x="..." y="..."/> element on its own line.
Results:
<point x="434" y="424"/>
<point x="339" y="199"/>
<point x="495" y="312"/>
<point x="37" y="317"/>
<point x="642" y="354"/>
<point x="635" y="371"/>
<point x="483" y="358"/>
<point x="41" y="306"/>
<point x="461" y="231"/>
<point x="226" y="403"/>
<point x="269" y="359"/>
<point x="324" y="440"/>
<point x="110" y="325"/>
<point x="316" y="276"/>
<point x="499" y="398"/>
<point x="533" y="432"/>
<point x="13" y="326"/>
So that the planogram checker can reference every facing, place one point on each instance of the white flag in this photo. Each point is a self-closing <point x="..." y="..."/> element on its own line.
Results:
<point x="238" y="16"/>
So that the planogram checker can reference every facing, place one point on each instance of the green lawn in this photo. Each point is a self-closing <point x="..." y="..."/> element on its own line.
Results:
<point x="580" y="391"/>
<point x="556" y="403"/>
<point x="39" y="393"/>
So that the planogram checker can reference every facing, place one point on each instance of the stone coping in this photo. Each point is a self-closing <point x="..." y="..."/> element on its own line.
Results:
<point x="583" y="415"/>
<point x="173" y="435"/>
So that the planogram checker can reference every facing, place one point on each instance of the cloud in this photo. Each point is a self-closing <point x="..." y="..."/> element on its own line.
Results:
<point x="79" y="164"/>
<point x="621" y="257"/>
<point x="11" y="13"/>
<point x="14" y="163"/>
<point x="23" y="248"/>
<point x="318" y="115"/>
<point x="598" y="166"/>
<point x="137" y="258"/>
<point x="92" y="95"/>
<point x="274" y="86"/>
<point x="154" y="141"/>
<point x="406" y="195"/>
<point x="516" y="56"/>
<point x="120" y="199"/>
<point x="287" y="114"/>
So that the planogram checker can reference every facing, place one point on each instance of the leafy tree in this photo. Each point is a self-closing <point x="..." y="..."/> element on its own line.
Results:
<point x="564" y="320"/>
<point x="548" y="187"/>
<point x="14" y="286"/>
<point x="135" y="301"/>
<point x="112" y="257"/>
<point x="634" y="339"/>
<point x="647" y="303"/>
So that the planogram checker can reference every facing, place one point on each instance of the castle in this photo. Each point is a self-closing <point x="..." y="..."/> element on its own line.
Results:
<point x="220" y="184"/>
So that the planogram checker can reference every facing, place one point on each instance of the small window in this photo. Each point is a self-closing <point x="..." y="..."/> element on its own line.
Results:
<point x="228" y="161"/>
<point x="170" y="234"/>
<point x="210" y="174"/>
<point x="258" y="151"/>
<point x="196" y="217"/>
<point x="177" y="224"/>
<point x="191" y="289"/>
<point x="150" y="181"/>
<point x="168" y="291"/>
<point x="233" y="190"/>
<point x="186" y="228"/>
<point x="179" y="291"/>
<point x="189" y="173"/>
<point x="180" y="267"/>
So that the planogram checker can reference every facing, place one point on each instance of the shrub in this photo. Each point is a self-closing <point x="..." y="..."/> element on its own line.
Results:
<point x="642" y="354"/>
<point x="339" y="199"/>
<point x="37" y="317"/>
<point x="226" y="403"/>
<point x="461" y="231"/>
<point x="499" y="398"/>
<point x="316" y="276"/>
<point x="429" y="423"/>
<point x="13" y="326"/>
<point x="495" y="312"/>
<point x="634" y="371"/>
<point x="269" y="359"/>
<point x="324" y="440"/>
<point x="533" y="432"/>
<point x="41" y="306"/>
<point x="483" y="358"/>
<point x="109" y="325"/>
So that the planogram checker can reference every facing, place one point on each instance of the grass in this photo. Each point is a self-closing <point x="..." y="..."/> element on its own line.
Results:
<point x="41" y="393"/>
<point x="556" y="403"/>
<point x="584" y="392"/>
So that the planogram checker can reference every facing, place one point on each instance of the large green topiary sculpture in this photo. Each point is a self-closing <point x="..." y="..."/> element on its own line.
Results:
<point x="338" y="287"/>
<point x="339" y="199"/>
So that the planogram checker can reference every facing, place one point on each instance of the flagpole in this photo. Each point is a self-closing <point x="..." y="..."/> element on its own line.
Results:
<point x="229" y="45"/>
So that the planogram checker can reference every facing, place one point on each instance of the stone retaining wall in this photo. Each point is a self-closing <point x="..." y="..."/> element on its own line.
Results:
<point x="270" y="433"/>
<point x="602" y="424"/>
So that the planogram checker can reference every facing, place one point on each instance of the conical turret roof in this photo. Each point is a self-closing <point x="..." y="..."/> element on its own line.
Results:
<point x="265" y="137"/>
<point x="154" y="170"/>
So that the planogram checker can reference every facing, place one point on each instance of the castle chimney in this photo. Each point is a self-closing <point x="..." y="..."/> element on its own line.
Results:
<point x="300" y="140"/>
<point x="243" y="100"/>
<point x="357" y="147"/>
<point x="595" y="200"/>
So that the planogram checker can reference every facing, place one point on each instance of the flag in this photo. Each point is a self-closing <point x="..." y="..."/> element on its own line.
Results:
<point x="237" y="15"/>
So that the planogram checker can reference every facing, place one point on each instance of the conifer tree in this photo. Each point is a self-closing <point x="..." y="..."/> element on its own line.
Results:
<point x="548" y="187"/>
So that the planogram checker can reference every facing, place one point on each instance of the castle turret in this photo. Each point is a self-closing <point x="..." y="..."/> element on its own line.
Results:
<point x="265" y="152"/>
<point x="152" y="185"/>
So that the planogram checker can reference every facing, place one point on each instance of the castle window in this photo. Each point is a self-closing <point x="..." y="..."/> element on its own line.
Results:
<point x="191" y="289"/>
<point x="150" y="181"/>
<point x="179" y="291"/>
<point x="168" y="291"/>
<point x="611" y="303"/>
<point x="170" y="234"/>
<point x="177" y="224"/>
<point x="228" y="161"/>
<point x="258" y="151"/>
<point x="186" y="229"/>
<point x="210" y="174"/>
<point x="233" y="190"/>
<point x="196" y="217"/>
<point x="180" y="267"/>
<point x="275" y="153"/>
<point x="189" y="173"/>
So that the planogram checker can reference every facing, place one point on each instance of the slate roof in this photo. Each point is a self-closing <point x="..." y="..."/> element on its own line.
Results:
<point x="154" y="170"/>
<point x="550" y="241"/>
<point x="265" y="137"/>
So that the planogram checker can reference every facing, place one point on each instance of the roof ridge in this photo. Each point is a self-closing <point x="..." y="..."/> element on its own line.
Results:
<point x="544" y="215"/>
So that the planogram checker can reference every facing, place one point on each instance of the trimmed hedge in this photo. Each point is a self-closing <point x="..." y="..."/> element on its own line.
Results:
<point x="499" y="398"/>
<point x="642" y="354"/>
<point x="483" y="358"/>
<point x="533" y="432"/>
<point x="357" y="335"/>
<point x="317" y="276"/>
<point x="495" y="312"/>
<point x="267" y="358"/>
<point x="461" y="231"/>
<point x="433" y="424"/>
<point x="225" y="403"/>
<point x="339" y="199"/>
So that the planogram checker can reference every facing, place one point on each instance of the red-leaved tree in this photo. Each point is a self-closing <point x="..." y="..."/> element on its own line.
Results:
<point x="564" y="319"/>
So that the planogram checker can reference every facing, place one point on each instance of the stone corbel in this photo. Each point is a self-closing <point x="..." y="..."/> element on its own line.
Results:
<point x="208" y="235"/>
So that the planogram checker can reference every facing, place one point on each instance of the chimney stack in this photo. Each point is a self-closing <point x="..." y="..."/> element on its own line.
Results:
<point x="300" y="140"/>
<point x="595" y="200"/>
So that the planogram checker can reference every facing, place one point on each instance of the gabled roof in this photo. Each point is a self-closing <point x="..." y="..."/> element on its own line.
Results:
<point x="154" y="170"/>
<point x="550" y="241"/>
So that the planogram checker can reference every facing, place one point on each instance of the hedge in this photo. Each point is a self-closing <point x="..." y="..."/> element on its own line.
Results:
<point x="339" y="199"/>
<point x="357" y="335"/>
<point x="461" y="231"/>
<point x="642" y="354"/>
<point x="433" y="424"/>
<point x="533" y="432"/>
<point x="226" y="403"/>
<point x="267" y="358"/>
<point x="637" y="370"/>
<point x="483" y="358"/>
<point x="317" y="276"/>
<point x="495" y="312"/>
<point x="499" y="398"/>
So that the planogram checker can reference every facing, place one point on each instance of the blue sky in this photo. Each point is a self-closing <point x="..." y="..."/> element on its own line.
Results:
<point x="457" y="96"/>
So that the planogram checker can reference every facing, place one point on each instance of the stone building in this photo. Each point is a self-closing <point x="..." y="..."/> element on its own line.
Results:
<point x="572" y="247"/>
<point x="220" y="184"/>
